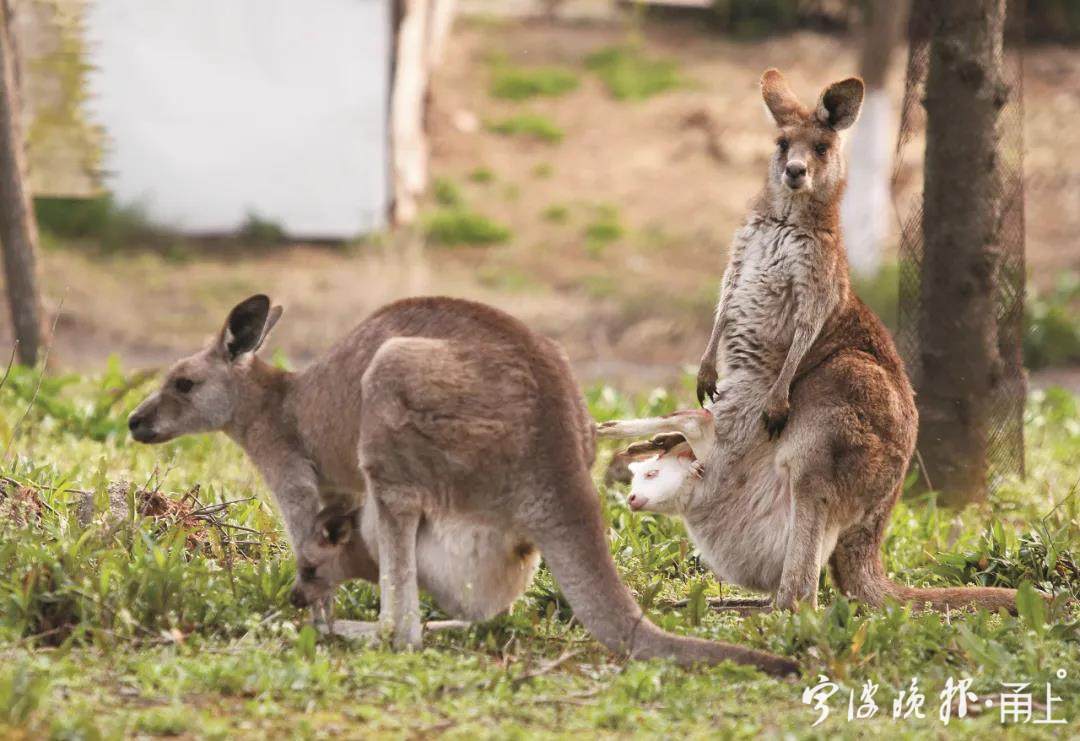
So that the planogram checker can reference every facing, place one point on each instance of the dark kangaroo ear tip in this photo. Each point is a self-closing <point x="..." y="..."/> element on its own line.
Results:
<point x="258" y="302"/>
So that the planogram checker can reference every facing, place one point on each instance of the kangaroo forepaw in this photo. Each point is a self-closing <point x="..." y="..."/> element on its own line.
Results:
<point x="697" y="470"/>
<point x="775" y="418"/>
<point x="706" y="386"/>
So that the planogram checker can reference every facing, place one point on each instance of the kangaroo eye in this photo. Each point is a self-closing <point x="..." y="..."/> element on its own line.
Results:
<point x="308" y="573"/>
<point x="183" y="385"/>
<point x="651" y="474"/>
<point x="783" y="144"/>
<point x="821" y="149"/>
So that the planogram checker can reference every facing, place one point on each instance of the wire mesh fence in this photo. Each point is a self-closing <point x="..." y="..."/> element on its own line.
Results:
<point x="1004" y="441"/>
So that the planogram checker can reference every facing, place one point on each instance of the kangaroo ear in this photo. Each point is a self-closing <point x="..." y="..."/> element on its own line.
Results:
<point x="336" y="528"/>
<point x="683" y="450"/>
<point x="782" y="103"/>
<point x="247" y="327"/>
<point x="838" y="107"/>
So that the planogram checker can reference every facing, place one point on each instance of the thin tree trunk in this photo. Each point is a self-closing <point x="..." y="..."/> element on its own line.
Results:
<point x="867" y="204"/>
<point x="421" y="32"/>
<point x="18" y="227"/>
<point x="409" y="150"/>
<point x="958" y="333"/>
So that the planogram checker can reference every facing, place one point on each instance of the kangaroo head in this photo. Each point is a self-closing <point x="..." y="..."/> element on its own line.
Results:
<point x="201" y="391"/>
<point x="807" y="162"/>
<point x="660" y="481"/>
<point x="321" y="563"/>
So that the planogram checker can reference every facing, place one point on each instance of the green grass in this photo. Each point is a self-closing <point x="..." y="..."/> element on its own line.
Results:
<point x="604" y="229"/>
<point x="881" y="292"/>
<point x="529" y="126"/>
<point x="629" y="74"/>
<point x="446" y="192"/>
<point x="459" y="226"/>
<point x="1053" y="324"/>
<point x="556" y="213"/>
<point x="129" y="625"/>
<point x="481" y="176"/>
<point x="111" y="225"/>
<point x="505" y="278"/>
<point x="258" y="230"/>
<point x="520" y="83"/>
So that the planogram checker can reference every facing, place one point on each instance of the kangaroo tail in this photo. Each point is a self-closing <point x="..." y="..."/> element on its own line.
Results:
<point x="859" y="573"/>
<point x="574" y="544"/>
<point x="991" y="598"/>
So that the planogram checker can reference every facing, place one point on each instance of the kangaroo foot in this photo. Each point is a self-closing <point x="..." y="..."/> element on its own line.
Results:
<point x="351" y="629"/>
<point x="440" y="625"/>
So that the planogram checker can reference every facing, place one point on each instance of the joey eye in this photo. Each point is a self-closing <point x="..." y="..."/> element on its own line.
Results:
<point x="783" y="143"/>
<point x="821" y="149"/>
<point x="308" y="573"/>
<point x="651" y="474"/>
<point x="183" y="385"/>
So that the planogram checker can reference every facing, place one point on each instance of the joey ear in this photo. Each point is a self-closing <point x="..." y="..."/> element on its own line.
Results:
<point x="683" y="450"/>
<point x="338" y="529"/>
<point x="639" y="451"/>
<point x="838" y="107"/>
<point x="783" y="104"/>
<point x="248" y="325"/>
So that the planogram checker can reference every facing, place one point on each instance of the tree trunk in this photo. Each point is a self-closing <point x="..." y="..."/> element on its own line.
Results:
<point x="420" y="39"/>
<point x="958" y="334"/>
<point x="18" y="228"/>
<point x="867" y="204"/>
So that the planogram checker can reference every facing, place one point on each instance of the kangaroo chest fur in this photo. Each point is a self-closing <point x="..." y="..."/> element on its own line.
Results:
<point x="741" y="515"/>
<point x="474" y="571"/>
<point x="769" y="259"/>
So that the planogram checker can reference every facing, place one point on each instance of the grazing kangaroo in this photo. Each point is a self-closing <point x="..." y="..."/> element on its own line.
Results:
<point x="462" y="428"/>
<point x="802" y="356"/>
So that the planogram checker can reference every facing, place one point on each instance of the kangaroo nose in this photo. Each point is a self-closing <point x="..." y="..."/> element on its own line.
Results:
<point x="795" y="169"/>
<point x="134" y="422"/>
<point x="297" y="598"/>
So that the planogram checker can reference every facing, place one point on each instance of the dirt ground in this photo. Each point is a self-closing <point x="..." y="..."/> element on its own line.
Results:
<point x="675" y="171"/>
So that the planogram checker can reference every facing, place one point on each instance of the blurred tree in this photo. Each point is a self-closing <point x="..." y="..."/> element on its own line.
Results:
<point x="866" y="207"/>
<point x="18" y="227"/>
<point x="962" y="348"/>
<point x="420" y="31"/>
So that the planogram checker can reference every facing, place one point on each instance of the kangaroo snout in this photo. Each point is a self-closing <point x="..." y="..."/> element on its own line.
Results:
<point x="141" y="426"/>
<point x="795" y="174"/>
<point x="636" y="502"/>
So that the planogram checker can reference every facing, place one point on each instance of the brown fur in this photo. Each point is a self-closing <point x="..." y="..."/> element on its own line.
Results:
<point x="448" y="419"/>
<point x="838" y="390"/>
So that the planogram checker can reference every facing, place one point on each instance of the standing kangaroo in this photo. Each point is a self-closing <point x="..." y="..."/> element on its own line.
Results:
<point x="807" y="437"/>
<point x="467" y="432"/>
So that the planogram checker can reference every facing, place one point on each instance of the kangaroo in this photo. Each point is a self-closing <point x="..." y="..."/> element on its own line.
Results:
<point x="473" y="573"/>
<point x="814" y="418"/>
<point x="660" y="480"/>
<point x="448" y="417"/>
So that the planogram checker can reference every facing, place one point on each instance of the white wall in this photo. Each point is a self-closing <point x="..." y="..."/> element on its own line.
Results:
<point x="214" y="108"/>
